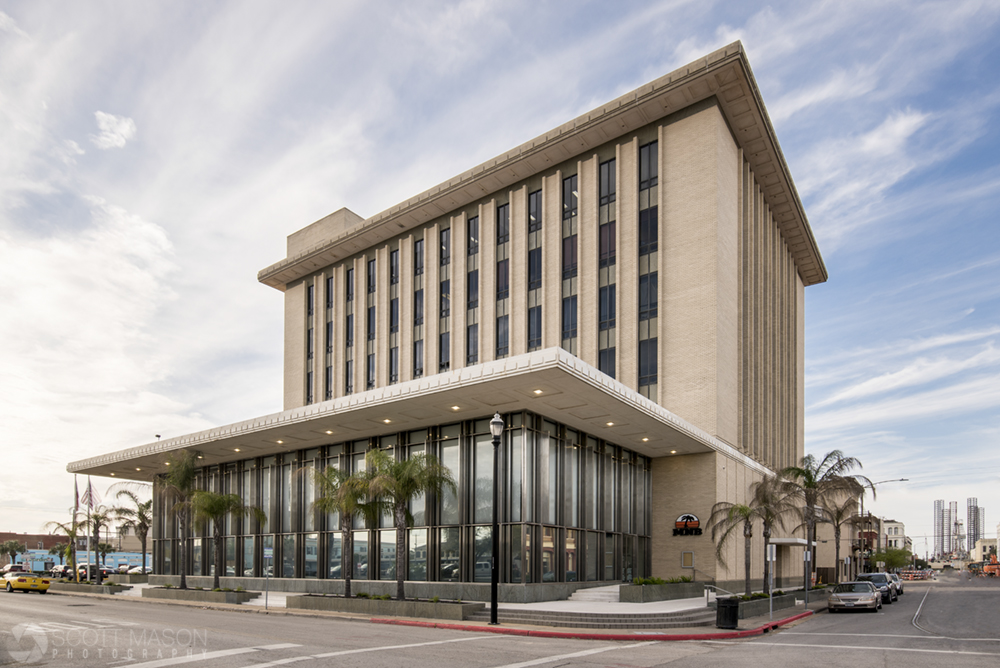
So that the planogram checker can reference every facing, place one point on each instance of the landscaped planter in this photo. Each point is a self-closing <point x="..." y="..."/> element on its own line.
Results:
<point x="87" y="588"/>
<point x="814" y="594"/>
<point x="634" y="593"/>
<point x="202" y="595"/>
<point x="391" y="608"/>
<point x="125" y="578"/>
<point x="760" y="606"/>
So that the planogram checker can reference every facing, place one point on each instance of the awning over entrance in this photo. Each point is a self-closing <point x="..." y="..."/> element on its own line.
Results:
<point x="550" y="382"/>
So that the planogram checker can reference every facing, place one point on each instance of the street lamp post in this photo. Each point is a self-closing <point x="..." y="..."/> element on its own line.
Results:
<point x="864" y="525"/>
<point x="496" y="429"/>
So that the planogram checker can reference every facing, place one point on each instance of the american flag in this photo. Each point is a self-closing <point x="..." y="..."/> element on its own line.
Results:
<point x="90" y="498"/>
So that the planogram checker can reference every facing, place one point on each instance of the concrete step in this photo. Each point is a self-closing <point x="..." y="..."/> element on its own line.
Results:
<point x="681" y="619"/>
<point x="603" y="594"/>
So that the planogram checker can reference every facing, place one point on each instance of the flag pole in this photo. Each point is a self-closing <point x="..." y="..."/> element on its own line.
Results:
<point x="90" y="500"/>
<point x="76" y="511"/>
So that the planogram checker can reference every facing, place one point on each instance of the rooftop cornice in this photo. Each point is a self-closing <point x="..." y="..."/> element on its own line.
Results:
<point x="724" y="74"/>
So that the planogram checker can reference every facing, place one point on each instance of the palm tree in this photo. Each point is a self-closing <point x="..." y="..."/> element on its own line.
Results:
<point x="839" y="514"/>
<point x="177" y="486"/>
<point x="345" y="494"/>
<point x="12" y="548"/>
<point x="137" y="516"/>
<point x="212" y="507"/>
<point x="393" y="484"/>
<point x="71" y="529"/>
<point x="726" y="519"/>
<point x="773" y="504"/>
<point x="814" y="482"/>
<point x="98" y="517"/>
<point x="59" y="550"/>
<point x="104" y="549"/>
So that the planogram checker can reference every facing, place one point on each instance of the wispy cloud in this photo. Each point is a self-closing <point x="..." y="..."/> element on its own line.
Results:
<point x="115" y="131"/>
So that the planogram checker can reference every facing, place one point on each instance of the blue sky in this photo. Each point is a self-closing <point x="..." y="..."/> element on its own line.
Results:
<point x="155" y="156"/>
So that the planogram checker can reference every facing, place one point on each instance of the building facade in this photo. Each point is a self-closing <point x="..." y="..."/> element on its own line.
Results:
<point x="627" y="291"/>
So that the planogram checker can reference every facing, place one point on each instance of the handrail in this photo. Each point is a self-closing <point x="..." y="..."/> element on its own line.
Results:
<point x="718" y="589"/>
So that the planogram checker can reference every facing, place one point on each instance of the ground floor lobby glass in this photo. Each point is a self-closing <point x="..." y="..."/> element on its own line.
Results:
<point x="572" y="508"/>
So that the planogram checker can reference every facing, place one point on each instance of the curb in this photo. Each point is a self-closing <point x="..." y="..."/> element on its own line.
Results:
<point x="730" y="635"/>
<point x="474" y="628"/>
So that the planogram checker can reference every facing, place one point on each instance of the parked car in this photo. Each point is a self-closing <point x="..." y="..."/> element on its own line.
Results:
<point x="61" y="571"/>
<point x="139" y="570"/>
<point x="19" y="581"/>
<point x="882" y="582"/>
<point x="854" y="596"/>
<point x="899" y="582"/>
<point x="12" y="568"/>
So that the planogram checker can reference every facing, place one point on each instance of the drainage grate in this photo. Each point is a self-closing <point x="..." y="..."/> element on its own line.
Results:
<point x="79" y="605"/>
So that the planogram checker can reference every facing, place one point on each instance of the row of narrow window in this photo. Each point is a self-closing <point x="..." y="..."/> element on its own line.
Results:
<point x="607" y="307"/>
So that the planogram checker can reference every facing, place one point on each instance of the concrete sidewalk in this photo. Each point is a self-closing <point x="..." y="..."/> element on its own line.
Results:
<point x="746" y="628"/>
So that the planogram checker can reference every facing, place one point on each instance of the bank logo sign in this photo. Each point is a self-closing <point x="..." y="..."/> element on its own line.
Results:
<point x="687" y="525"/>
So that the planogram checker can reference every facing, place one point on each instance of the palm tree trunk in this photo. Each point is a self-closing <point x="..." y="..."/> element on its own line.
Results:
<point x="836" y="543"/>
<point x="347" y="560"/>
<point x="400" y="550"/>
<point x="142" y="541"/>
<point x="218" y="558"/>
<point x="97" y="544"/>
<point x="767" y="564"/>
<point x="182" y="523"/>
<point x="747" y="538"/>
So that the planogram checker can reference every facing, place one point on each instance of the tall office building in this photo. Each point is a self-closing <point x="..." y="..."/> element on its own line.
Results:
<point x="973" y="521"/>
<point x="626" y="290"/>
<point x="940" y="525"/>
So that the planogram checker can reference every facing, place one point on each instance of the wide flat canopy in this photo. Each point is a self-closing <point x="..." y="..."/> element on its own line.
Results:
<point x="550" y="382"/>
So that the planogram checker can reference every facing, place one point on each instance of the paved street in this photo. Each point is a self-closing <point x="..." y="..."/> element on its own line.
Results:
<point x="955" y="626"/>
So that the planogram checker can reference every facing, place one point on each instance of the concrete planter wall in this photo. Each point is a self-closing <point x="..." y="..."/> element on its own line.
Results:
<point x="427" y="609"/>
<point x="666" y="592"/>
<point x="814" y="594"/>
<point x="87" y="589"/>
<point x="466" y="591"/>
<point x="760" y="606"/>
<point x="125" y="578"/>
<point x="203" y="595"/>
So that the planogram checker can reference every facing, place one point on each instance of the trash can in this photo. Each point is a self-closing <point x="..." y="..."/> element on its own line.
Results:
<point x="727" y="613"/>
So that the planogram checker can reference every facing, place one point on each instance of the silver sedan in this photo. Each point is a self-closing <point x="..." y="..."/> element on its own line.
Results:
<point x="854" y="596"/>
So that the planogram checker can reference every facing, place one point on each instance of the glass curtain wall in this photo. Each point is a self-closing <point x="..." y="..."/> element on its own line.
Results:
<point x="572" y="507"/>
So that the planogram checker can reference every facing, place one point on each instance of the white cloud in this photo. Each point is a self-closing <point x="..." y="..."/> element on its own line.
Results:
<point x="115" y="130"/>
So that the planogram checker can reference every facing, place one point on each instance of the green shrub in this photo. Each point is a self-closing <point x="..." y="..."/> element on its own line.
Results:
<point x="362" y="594"/>
<point x="240" y="589"/>
<point x="217" y="589"/>
<point x="435" y="599"/>
<point x="383" y="597"/>
<point x="168" y="586"/>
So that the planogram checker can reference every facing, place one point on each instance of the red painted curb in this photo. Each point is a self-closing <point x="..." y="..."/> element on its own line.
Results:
<point x="730" y="635"/>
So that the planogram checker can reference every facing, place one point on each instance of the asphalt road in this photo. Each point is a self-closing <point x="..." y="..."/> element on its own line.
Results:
<point x="956" y="626"/>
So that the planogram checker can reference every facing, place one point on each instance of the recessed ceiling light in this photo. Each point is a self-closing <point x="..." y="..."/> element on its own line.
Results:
<point x="454" y="408"/>
<point x="280" y="442"/>
<point x="611" y="424"/>
<point x="137" y="468"/>
<point x="645" y="440"/>
<point x="538" y="391"/>
<point x="237" y="449"/>
<point x="387" y="420"/>
<point x="200" y="457"/>
<point x="328" y="431"/>
<point x="112" y="474"/>
<point x="673" y="452"/>
<point x="168" y="463"/>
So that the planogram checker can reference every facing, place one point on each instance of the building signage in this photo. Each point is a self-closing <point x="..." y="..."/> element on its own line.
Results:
<point x="687" y="525"/>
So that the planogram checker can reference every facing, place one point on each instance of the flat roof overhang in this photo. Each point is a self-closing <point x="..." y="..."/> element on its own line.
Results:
<point x="549" y="382"/>
<point x="724" y="74"/>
